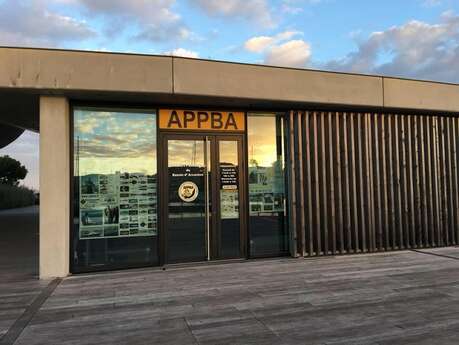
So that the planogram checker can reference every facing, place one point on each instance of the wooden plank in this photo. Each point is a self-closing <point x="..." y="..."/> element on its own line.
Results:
<point x="370" y="188"/>
<point x="411" y="154"/>
<point x="301" y="207"/>
<point x="361" y="182"/>
<point x="437" y="182"/>
<point x="324" y="184"/>
<point x="331" y="191"/>
<point x="455" y="180"/>
<point x="404" y="182"/>
<point x="450" y="187"/>
<point x="384" y="185"/>
<point x="391" y="177"/>
<point x="379" y="208"/>
<point x="417" y="212"/>
<point x="423" y="181"/>
<point x="398" y="189"/>
<point x="292" y="192"/>
<point x="338" y="184"/>
<point x="307" y="175"/>
<point x="430" y="190"/>
<point x="354" y="202"/>
<point x="316" y="183"/>
<point x="347" y="189"/>
<point x="443" y="164"/>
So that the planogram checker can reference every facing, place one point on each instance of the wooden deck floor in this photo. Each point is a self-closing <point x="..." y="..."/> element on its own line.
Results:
<point x="394" y="298"/>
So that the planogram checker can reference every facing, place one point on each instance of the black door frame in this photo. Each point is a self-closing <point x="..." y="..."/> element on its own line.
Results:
<point x="215" y="138"/>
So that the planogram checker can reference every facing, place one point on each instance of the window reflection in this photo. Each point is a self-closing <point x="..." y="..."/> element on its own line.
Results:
<point x="186" y="224"/>
<point x="229" y="199"/>
<point x="268" y="233"/>
<point x="115" y="187"/>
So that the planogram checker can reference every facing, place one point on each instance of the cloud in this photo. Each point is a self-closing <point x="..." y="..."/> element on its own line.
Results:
<point x="281" y="49"/>
<point x="155" y="20"/>
<point x="293" y="53"/>
<point x="431" y="3"/>
<point x="32" y="23"/>
<point x="415" y="49"/>
<point x="182" y="52"/>
<point x="258" y="44"/>
<point x="256" y="11"/>
<point x="294" y="7"/>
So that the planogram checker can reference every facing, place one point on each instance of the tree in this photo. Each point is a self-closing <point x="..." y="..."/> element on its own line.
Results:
<point x="11" y="171"/>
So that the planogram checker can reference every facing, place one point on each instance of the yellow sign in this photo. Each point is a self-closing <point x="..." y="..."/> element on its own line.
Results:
<point x="201" y="120"/>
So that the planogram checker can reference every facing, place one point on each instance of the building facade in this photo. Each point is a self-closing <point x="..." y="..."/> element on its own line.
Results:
<point x="152" y="161"/>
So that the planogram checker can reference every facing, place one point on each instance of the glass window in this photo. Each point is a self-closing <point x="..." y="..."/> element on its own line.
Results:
<point x="115" y="199"/>
<point x="267" y="214"/>
<point x="229" y="198"/>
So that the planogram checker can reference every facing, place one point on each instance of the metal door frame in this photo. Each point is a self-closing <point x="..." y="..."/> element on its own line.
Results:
<point x="163" y="181"/>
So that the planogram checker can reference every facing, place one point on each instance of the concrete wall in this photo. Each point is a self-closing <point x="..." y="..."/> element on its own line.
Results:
<point x="54" y="186"/>
<point x="88" y="71"/>
<point x="141" y="78"/>
<point x="210" y="78"/>
<point x="419" y="95"/>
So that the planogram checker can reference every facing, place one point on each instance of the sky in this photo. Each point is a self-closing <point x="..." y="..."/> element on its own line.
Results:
<point x="407" y="38"/>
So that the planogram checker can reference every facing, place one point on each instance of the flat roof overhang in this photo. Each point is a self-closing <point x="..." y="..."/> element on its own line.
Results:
<point x="27" y="73"/>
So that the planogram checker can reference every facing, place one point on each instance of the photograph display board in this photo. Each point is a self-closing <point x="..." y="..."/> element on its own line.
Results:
<point x="117" y="205"/>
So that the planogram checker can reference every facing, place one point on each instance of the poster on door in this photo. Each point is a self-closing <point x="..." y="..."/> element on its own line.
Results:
<point x="229" y="191"/>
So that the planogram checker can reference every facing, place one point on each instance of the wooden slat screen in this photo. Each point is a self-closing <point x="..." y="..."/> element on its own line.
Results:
<point x="368" y="182"/>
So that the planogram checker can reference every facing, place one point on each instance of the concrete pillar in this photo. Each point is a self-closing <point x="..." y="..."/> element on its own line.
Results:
<point x="54" y="186"/>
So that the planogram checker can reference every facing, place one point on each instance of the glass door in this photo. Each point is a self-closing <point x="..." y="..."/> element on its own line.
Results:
<point x="229" y="195"/>
<point x="204" y="193"/>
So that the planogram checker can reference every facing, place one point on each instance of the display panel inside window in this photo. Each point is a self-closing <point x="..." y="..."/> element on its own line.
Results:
<point x="115" y="186"/>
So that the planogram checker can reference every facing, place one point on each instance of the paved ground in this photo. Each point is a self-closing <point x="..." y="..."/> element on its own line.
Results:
<point x="19" y="286"/>
<point x="394" y="298"/>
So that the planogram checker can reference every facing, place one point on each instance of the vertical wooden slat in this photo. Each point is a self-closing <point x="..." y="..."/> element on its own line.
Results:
<point x="442" y="164"/>
<point x="317" y="206"/>
<point x="398" y="192"/>
<point x="455" y="180"/>
<point x="292" y="184"/>
<point x="404" y="182"/>
<point x="417" y="212"/>
<point x="424" y="183"/>
<point x="360" y="182"/>
<point x="379" y="208"/>
<point x="391" y="178"/>
<point x="450" y="192"/>
<point x="340" y="221"/>
<point x="301" y="216"/>
<point x="436" y="183"/>
<point x="331" y="162"/>
<point x="307" y="176"/>
<point x="354" y="204"/>
<point x="347" y="189"/>
<point x="430" y="193"/>
<point x="369" y="173"/>
<point x="324" y="183"/>
<point x="411" y="180"/>
<point x="385" y="197"/>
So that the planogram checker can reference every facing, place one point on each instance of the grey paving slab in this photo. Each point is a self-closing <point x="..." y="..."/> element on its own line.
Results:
<point x="19" y="286"/>
<point x="363" y="299"/>
<point x="387" y="299"/>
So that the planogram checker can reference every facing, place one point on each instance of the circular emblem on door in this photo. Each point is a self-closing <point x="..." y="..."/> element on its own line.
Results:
<point x="188" y="191"/>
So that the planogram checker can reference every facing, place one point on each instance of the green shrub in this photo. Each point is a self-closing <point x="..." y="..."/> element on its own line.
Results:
<point x="14" y="196"/>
